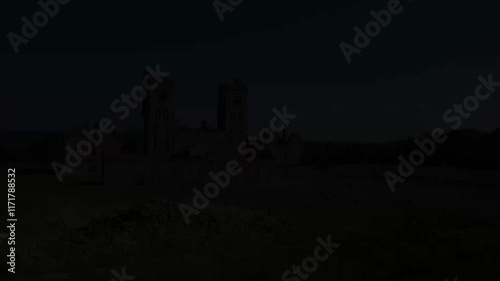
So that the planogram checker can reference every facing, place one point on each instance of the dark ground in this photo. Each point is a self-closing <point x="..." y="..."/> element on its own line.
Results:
<point x="431" y="229"/>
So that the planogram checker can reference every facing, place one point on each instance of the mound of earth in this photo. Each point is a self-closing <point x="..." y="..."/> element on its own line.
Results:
<point x="155" y="224"/>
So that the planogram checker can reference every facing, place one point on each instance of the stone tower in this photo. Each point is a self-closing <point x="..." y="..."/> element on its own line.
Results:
<point x="232" y="111"/>
<point x="158" y="112"/>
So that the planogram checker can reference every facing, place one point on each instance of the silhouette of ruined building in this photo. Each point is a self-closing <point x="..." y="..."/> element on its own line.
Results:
<point x="165" y="152"/>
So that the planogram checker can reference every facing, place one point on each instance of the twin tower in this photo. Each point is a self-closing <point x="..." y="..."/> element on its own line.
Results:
<point x="161" y="130"/>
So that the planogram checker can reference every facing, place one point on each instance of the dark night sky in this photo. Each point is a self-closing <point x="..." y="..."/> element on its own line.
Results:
<point x="288" y="52"/>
